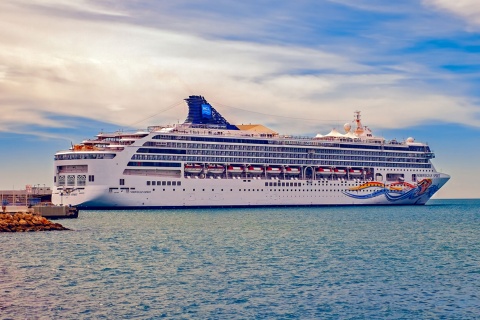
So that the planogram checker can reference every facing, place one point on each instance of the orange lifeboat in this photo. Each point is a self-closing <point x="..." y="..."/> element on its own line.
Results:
<point x="254" y="170"/>
<point x="274" y="170"/>
<point x="235" y="169"/>
<point x="355" y="172"/>
<point x="292" y="170"/>
<point x="193" y="168"/>
<point x="215" y="169"/>
<point x="324" y="171"/>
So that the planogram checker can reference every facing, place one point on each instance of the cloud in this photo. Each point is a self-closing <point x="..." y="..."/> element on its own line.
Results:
<point x="78" y="6"/>
<point x="466" y="9"/>
<point x="72" y="60"/>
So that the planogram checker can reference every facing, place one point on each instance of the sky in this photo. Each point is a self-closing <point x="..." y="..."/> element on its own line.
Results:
<point x="70" y="69"/>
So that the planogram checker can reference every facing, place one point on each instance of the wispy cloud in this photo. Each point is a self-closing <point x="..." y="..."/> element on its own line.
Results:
<point x="111" y="61"/>
<point x="466" y="9"/>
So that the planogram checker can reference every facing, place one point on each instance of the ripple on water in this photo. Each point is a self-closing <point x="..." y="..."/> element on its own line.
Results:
<point x="347" y="262"/>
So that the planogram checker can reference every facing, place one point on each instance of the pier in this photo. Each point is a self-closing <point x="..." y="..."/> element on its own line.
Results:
<point x="35" y="200"/>
<point x="29" y="196"/>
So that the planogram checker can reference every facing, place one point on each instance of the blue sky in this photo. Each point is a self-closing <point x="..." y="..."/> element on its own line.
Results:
<point x="71" y="68"/>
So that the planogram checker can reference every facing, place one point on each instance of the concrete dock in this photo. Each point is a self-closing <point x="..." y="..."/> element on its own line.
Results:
<point x="35" y="200"/>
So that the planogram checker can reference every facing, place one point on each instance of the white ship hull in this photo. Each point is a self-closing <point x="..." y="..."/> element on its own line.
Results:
<point x="244" y="192"/>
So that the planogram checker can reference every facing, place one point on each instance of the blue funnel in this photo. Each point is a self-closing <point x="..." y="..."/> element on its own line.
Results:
<point x="200" y="112"/>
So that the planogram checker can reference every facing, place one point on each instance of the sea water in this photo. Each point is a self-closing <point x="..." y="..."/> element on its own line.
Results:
<point x="406" y="262"/>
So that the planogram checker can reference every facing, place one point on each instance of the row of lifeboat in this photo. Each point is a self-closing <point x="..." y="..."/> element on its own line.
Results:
<point x="219" y="169"/>
<point x="232" y="169"/>
<point x="339" y="172"/>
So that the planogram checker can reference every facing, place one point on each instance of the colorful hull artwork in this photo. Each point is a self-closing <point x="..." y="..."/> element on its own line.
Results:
<point x="393" y="192"/>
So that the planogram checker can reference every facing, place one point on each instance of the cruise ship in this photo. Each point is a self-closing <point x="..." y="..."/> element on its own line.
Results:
<point x="208" y="162"/>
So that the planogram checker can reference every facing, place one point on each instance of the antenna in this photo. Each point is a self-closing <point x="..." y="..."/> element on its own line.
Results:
<point x="356" y="118"/>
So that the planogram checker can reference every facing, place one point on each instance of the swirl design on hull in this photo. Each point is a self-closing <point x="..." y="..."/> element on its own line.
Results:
<point x="394" y="192"/>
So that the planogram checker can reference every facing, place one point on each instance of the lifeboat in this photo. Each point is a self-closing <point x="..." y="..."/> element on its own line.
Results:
<point x="254" y="170"/>
<point x="324" y="171"/>
<point x="339" y="172"/>
<point x="193" y="168"/>
<point x="274" y="170"/>
<point x="215" y="169"/>
<point x="234" y="169"/>
<point x="292" y="170"/>
<point x="355" y="172"/>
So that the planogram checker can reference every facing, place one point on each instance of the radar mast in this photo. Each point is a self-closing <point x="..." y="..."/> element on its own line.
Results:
<point x="356" y="118"/>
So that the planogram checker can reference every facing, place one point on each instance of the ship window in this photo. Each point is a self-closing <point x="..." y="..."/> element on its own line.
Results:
<point x="91" y="178"/>
<point x="122" y="182"/>
<point x="179" y="183"/>
<point x="81" y="180"/>
<point x="71" y="180"/>
<point x="164" y="183"/>
<point x="169" y="183"/>
<point x="158" y="183"/>
<point x="148" y="183"/>
<point x="395" y="177"/>
<point x="153" y="183"/>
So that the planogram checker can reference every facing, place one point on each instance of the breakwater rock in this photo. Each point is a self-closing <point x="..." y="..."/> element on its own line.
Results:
<point x="25" y="222"/>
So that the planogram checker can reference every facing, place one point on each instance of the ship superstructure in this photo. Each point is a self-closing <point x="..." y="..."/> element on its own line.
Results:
<point x="208" y="162"/>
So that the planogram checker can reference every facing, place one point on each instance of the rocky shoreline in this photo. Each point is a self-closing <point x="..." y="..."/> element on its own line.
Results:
<point x="27" y="222"/>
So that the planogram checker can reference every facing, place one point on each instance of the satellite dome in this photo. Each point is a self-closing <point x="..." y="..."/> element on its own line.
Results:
<point x="347" y="127"/>
<point x="410" y="140"/>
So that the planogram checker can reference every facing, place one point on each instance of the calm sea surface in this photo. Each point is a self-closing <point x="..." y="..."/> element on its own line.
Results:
<point x="288" y="263"/>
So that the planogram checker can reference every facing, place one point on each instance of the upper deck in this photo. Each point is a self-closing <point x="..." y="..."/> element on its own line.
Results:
<point x="205" y="124"/>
